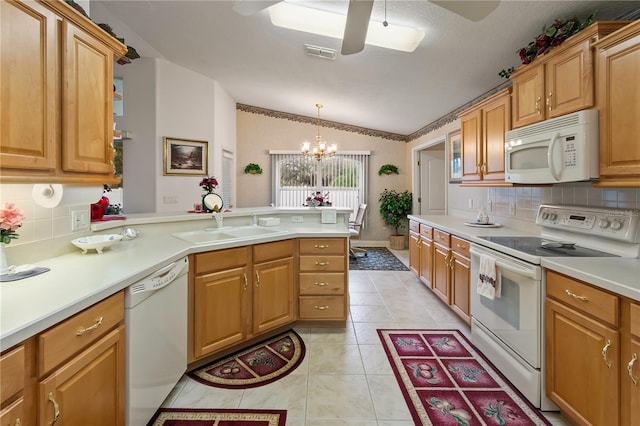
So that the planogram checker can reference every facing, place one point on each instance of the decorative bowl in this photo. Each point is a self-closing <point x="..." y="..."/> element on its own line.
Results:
<point x="97" y="242"/>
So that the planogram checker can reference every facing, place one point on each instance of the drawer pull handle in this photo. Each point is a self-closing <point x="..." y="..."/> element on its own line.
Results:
<point x="321" y="308"/>
<point x="575" y="296"/>
<point x="18" y="422"/>
<point x="634" y="358"/>
<point x="56" y="408"/>
<point x="321" y="246"/>
<point x="322" y="263"/>
<point x="257" y="279"/>
<point x="321" y="284"/>
<point x="460" y="247"/>
<point x="538" y="99"/>
<point x="246" y="282"/>
<point x="604" y="353"/>
<point x="88" y="329"/>
<point x="418" y="241"/>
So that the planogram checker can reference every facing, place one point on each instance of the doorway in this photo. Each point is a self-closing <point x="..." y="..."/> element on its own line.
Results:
<point x="430" y="178"/>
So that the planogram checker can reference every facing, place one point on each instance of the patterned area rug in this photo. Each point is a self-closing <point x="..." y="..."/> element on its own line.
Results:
<point x="445" y="380"/>
<point x="263" y="363"/>
<point x="201" y="417"/>
<point x="377" y="259"/>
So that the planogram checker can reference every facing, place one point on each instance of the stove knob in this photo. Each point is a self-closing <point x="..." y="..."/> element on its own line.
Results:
<point x="545" y="215"/>
<point x="603" y="223"/>
<point x="552" y="216"/>
<point x="615" y="225"/>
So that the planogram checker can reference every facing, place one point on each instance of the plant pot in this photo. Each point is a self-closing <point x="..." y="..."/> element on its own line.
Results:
<point x="396" y="242"/>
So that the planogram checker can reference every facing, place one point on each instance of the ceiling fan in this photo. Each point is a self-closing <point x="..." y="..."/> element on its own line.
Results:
<point x="359" y="13"/>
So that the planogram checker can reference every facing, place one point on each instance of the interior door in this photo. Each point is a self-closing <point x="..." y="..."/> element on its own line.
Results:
<point x="432" y="180"/>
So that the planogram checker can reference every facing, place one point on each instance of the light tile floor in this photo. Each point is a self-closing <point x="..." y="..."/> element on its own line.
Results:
<point x="345" y="378"/>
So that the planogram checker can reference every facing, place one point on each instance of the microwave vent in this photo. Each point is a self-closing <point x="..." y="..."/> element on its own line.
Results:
<point x="559" y="123"/>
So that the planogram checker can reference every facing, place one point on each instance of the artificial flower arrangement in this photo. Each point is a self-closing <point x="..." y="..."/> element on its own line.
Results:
<point x="11" y="219"/>
<point x="316" y="199"/>
<point x="209" y="184"/>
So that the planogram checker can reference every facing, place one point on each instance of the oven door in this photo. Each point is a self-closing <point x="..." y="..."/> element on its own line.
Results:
<point x="515" y="317"/>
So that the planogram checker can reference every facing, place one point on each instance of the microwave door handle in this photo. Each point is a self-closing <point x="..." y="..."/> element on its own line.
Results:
<point x="552" y="168"/>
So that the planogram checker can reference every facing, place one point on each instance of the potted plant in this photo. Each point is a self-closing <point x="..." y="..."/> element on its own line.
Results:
<point x="253" y="168"/>
<point x="394" y="208"/>
<point x="387" y="169"/>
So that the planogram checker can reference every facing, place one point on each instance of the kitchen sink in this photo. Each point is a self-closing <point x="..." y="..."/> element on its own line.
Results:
<point x="228" y="233"/>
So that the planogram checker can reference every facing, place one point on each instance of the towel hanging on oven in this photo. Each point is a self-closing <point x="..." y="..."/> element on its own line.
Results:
<point x="488" y="279"/>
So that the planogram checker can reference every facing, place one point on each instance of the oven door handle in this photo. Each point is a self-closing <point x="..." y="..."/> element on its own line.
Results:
<point x="527" y="272"/>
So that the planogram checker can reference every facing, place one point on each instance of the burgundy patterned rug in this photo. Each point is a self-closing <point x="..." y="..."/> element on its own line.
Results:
<point x="201" y="417"/>
<point x="258" y="365"/>
<point x="445" y="380"/>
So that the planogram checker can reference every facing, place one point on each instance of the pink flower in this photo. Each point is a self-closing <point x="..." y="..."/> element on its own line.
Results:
<point x="10" y="220"/>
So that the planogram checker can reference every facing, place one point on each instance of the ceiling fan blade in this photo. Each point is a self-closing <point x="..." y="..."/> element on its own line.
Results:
<point x="249" y="7"/>
<point x="472" y="10"/>
<point x="355" y="30"/>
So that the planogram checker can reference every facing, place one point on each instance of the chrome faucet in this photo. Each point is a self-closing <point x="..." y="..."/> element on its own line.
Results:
<point x="218" y="217"/>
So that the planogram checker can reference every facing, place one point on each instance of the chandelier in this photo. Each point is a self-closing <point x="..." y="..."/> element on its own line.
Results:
<point x="322" y="150"/>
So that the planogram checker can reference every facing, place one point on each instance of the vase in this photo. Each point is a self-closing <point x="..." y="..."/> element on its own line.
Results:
<point x="3" y="259"/>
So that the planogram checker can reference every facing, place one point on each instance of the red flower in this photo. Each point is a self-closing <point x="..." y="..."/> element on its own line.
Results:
<point x="209" y="184"/>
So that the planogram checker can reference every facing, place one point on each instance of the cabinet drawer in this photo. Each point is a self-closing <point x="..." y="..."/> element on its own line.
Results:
<point x="12" y="365"/>
<point x="321" y="284"/>
<point x="322" y="263"/>
<point x="322" y="307"/>
<point x="322" y="246"/>
<point x="635" y="319"/>
<point x="426" y="231"/>
<point x="460" y="246"/>
<point x="11" y="414"/>
<point x="442" y="237"/>
<point x="220" y="260"/>
<point x="272" y="251"/>
<point x="590" y="300"/>
<point x="414" y="226"/>
<point x="71" y="336"/>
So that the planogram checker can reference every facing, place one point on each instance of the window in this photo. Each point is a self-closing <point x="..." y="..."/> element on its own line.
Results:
<point x="343" y="177"/>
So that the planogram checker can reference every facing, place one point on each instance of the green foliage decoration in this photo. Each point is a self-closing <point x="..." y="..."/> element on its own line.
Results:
<point x="253" y="168"/>
<point x="394" y="208"/>
<point x="387" y="169"/>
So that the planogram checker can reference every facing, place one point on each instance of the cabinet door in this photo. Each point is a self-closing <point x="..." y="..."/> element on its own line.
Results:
<point x="221" y="310"/>
<point x="414" y="252"/>
<point x="87" y="130"/>
<point x="460" y="280"/>
<point x="426" y="261"/>
<point x="619" y="96"/>
<point x="633" y="388"/>
<point x="273" y="295"/>
<point x="569" y="80"/>
<point x="441" y="272"/>
<point x="471" y="125"/>
<point x="528" y="96"/>
<point x="89" y="389"/>
<point x="496" y="119"/>
<point x="578" y="378"/>
<point x="28" y="52"/>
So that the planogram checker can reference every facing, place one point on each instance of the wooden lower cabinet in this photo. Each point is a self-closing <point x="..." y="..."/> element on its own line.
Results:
<point x="17" y="379"/>
<point x="421" y="251"/>
<point x="630" y="379"/>
<point x="273" y="295"/>
<point x="460" y="285"/>
<point x="426" y="259"/>
<point x="89" y="389"/>
<point x="441" y="272"/>
<point x="414" y="252"/>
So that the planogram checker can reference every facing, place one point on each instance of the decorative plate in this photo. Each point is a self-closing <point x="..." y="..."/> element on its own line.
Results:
<point x="97" y="242"/>
<point x="213" y="202"/>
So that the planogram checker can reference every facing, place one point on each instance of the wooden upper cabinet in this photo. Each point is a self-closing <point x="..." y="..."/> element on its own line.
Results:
<point x="56" y="71"/>
<point x="28" y="76"/>
<point x="618" y="92"/>
<point x="561" y="81"/>
<point x="483" y="127"/>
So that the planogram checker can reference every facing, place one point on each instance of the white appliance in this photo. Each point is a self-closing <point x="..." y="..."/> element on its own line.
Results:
<point x="156" y="330"/>
<point x="509" y="330"/>
<point x="562" y="149"/>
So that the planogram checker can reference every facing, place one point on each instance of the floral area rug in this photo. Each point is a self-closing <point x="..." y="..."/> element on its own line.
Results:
<point x="258" y="365"/>
<point x="377" y="259"/>
<point x="226" y="417"/>
<point x="445" y="380"/>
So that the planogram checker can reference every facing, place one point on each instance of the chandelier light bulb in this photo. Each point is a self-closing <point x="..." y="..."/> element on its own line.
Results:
<point x="322" y="150"/>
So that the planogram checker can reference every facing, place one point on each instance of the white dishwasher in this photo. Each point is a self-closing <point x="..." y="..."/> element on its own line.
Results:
<point x="156" y="330"/>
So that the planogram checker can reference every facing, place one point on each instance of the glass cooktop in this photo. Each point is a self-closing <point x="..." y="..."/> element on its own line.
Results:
<point x="546" y="248"/>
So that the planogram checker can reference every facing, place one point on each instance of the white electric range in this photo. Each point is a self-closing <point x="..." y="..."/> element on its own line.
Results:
<point x="509" y="329"/>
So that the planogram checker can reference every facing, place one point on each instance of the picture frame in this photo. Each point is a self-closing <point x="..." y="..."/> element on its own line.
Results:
<point x="455" y="156"/>
<point x="185" y="157"/>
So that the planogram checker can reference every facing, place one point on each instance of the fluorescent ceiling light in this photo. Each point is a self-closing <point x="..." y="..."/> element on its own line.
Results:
<point x="300" y="18"/>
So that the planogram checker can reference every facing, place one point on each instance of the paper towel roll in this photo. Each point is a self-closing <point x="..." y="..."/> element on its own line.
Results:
<point x="53" y="195"/>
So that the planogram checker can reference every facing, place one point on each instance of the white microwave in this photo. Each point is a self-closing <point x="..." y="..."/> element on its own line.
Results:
<point x="562" y="149"/>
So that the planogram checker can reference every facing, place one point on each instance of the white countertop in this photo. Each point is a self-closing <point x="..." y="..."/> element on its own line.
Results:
<point x="77" y="281"/>
<point x="615" y="274"/>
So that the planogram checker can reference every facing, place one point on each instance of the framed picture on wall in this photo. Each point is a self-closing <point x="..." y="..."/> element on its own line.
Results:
<point x="185" y="157"/>
<point x="455" y="156"/>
